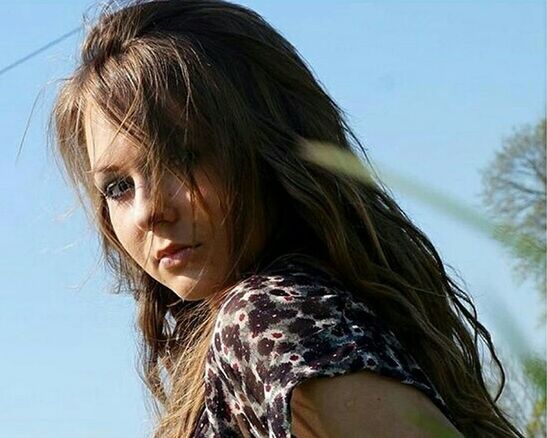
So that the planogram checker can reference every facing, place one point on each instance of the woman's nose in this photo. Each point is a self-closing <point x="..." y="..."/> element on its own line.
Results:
<point x="148" y="211"/>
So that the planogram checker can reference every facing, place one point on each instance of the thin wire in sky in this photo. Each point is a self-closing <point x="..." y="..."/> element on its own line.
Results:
<point x="38" y="51"/>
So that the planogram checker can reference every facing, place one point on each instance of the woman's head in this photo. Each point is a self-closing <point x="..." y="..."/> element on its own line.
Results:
<point x="189" y="96"/>
<point x="198" y="107"/>
<point x="149" y="232"/>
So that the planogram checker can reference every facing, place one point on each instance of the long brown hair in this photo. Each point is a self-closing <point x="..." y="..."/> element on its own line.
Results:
<point x="195" y="80"/>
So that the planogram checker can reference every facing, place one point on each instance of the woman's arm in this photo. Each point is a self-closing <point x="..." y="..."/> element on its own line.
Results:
<point x="365" y="404"/>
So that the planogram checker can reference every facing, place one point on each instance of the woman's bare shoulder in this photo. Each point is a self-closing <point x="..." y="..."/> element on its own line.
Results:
<point x="365" y="404"/>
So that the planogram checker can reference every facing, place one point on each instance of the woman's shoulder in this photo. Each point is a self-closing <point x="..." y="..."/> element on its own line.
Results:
<point x="288" y="302"/>
<point x="288" y="283"/>
<point x="292" y="322"/>
<point x="271" y="311"/>
<point x="298" y="311"/>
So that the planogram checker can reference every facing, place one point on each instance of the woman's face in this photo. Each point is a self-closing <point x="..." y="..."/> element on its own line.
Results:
<point x="145" y="235"/>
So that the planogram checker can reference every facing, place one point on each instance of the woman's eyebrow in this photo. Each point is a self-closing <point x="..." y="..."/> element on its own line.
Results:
<point x="104" y="169"/>
<point x="111" y="167"/>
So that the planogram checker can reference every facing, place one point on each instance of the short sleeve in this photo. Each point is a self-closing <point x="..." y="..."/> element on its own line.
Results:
<point x="275" y="331"/>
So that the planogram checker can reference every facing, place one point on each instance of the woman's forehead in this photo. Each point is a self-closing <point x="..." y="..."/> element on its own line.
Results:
<point x="107" y="146"/>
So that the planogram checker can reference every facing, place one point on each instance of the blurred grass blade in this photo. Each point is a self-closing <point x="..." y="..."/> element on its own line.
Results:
<point x="346" y="162"/>
<point x="335" y="159"/>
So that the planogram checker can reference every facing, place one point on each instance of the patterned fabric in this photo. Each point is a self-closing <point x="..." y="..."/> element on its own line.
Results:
<point x="280" y="327"/>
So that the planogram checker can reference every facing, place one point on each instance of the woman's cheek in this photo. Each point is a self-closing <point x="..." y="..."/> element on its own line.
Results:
<point x="122" y="229"/>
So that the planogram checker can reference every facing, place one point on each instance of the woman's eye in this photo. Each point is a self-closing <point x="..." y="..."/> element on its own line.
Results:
<point x="117" y="189"/>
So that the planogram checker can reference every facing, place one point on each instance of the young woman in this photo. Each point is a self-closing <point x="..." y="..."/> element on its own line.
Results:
<point x="274" y="297"/>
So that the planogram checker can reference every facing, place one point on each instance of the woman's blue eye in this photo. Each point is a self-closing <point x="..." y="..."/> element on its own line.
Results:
<point x="116" y="189"/>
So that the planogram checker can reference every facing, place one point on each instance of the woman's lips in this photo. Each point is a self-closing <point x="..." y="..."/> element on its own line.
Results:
<point x="178" y="259"/>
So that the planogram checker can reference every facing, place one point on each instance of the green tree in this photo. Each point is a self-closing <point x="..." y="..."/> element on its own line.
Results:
<point x="522" y="400"/>
<point x="514" y="193"/>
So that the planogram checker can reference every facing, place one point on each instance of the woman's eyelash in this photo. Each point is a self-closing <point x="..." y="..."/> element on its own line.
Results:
<point x="116" y="188"/>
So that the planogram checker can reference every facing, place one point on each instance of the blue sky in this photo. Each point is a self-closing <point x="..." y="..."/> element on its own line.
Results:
<point x="430" y="87"/>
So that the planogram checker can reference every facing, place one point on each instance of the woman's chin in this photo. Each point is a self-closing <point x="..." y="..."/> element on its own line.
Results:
<point x="189" y="288"/>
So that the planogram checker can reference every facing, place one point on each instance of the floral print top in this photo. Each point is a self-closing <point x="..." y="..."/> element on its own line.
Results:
<point x="277" y="328"/>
